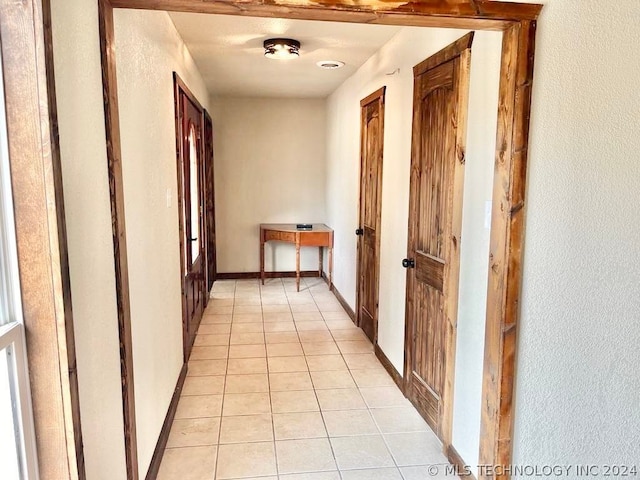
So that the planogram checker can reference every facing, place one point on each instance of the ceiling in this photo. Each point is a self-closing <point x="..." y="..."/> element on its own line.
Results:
<point x="228" y="52"/>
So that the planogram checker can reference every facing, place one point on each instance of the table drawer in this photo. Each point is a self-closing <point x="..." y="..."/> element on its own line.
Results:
<point x="315" y="239"/>
<point x="279" y="236"/>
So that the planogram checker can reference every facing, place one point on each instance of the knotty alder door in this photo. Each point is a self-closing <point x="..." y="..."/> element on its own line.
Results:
<point x="435" y="211"/>
<point x="210" y="215"/>
<point x="368" y="267"/>
<point x="192" y="233"/>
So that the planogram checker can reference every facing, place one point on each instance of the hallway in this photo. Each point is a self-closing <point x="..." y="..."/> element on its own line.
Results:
<point x="282" y="386"/>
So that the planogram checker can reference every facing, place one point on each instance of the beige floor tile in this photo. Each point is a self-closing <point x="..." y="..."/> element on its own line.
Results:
<point x="246" y="318"/>
<point x="362" y="361"/>
<point x="374" y="474"/>
<point x="368" y="451"/>
<point x="295" y="401"/>
<point x="239" y="310"/>
<point x="247" y="339"/>
<point x="418" y="448"/>
<point x="215" y="320"/>
<point x="342" y="423"/>
<point x="326" y="362"/>
<point x="358" y="346"/>
<point x="245" y="366"/>
<point x="399" y="420"/>
<point x="245" y="460"/>
<point x="205" y="385"/>
<point x="279" y="327"/>
<point x="247" y="328"/>
<point x="219" y="309"/>
<point x="252" y="383"/>
<point x="332" y="379"/>
<point x="340" y="399"/>
<point x="344" y="324"/>
<point x="287" y="364"/>
<point x="192" y="463"/>
<point x="311" y="326"/>
<point x="281" y="337"/>
<point x="196" y="406"/>
<point x="247" y="428"/>
<point x="206" y="367"/>
<point x="214" y="302"/>
<point x="284" y="350"/>
<point x="272" y="317"/>
<point x="339" y="315"/>
<point x="274" y="300"/>
<point x="329" y="307"/>
<point x="247" y="351"/>
<point x="203" y="340"/>
<point x="315" y="336"/>
<point x="282" y="382"/>
<point x="313" y="316"/>
<point x="209" y="353"/>
<point x="192" y="432"/>
<point x="350" y="334"/>
<point x="246" y="404"/>
<point x="214" y="329"/>
<point x="372" y="378"/>
<point x="377" y="397"/>
<point x="311" y="476"/>
<point x="422" y="472"/>
<point x="275" y="308"/>
<point x="300" y="298"/>
<point x="309" y="455"/>
<point x="248" y="300"/>
<point x="320" y="348"/>
<point x="304" y="307"/>
<point x="290" y="426"/>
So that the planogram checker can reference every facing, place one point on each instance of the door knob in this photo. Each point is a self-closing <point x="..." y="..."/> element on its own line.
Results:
<point x="409" y="263"/>
<point x="193" y="239"/>
<point x="359" y="231"/>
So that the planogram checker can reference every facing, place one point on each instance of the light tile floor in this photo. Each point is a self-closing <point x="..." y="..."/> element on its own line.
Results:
<point x="282" y="386"/>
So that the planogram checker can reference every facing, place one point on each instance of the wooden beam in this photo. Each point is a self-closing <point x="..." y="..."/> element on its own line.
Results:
<point x="506" y="245"/>
<point x="116" y="189"/>
<point x="480" y="14"/>
<point x="41" y="235"/>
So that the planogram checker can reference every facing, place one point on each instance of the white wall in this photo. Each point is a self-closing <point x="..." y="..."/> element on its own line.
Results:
<point x="269" y="168"/>
<point x="406" y="49"/>
<point x="88" y="216"/>
<point x="578" y="387"/>
<point x="149" y="49"/>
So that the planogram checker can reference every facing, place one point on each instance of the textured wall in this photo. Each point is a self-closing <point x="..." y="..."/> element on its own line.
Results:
<point x="270" y="168"/>
<point x="88" y="215"/>
<point x="578" y="387"/>
<point x="149" y="50"/>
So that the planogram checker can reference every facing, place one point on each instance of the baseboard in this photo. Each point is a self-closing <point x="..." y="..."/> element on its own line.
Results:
<point x="156" y="460"/>
<point x="388" y="366"/>
<point x="461" y="467"/>
<point x="342" y="301"/>
<point x="251" y="275"/>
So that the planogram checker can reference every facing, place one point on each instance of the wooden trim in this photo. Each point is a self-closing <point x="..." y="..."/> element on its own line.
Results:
<point x="374" y="96"/>
<point x="252" y="275"/>
<point x="445" y="55"/>
<point x="343" y="303"/>
<point x="506" y="245"/>
<point x="388" y="366"/>
<point x="462" y="469"/>
<point x="116" y="189"/>
<point x="158" y="453"/>
<point x="36" y="179"/>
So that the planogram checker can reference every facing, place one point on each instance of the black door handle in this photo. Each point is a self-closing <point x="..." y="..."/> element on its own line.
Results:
<point x="409" y="263"/>
<point x="359" y="231"/>
<point x="193" y="239"/>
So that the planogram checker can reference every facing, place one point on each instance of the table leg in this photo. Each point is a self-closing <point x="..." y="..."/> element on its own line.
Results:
<point x="330" y="267"/>
<point x="262" y="261"/>
<point x="298" y="266"/>
<point x="320" y="262"/>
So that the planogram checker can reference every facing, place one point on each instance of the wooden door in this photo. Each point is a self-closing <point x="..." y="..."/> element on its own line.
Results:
<point x="210" y="214"/>
<point x="435" y="211"/>
<point x="191" y="194"/>
<point x="368" y="267"/>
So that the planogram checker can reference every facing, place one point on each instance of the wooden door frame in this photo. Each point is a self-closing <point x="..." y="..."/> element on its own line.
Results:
<point x="378" y="95"/>
<point x="518" y="22"/>
<point x="209" y="230"/>
<point x="460" y="49"/>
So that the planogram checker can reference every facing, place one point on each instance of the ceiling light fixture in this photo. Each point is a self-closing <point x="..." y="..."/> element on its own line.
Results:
<point x="281" y="48"/>
<point x="330" y="64"/>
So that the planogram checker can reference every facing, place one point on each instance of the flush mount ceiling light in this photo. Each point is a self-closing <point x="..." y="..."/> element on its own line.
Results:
<point x="330" y="64"/>
<point x="281" y="48"/>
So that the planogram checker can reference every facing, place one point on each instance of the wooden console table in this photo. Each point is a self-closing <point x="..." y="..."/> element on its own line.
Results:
<point x="320" y="236"/>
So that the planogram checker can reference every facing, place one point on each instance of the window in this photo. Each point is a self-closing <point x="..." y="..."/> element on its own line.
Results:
<point x="17" y="440"/>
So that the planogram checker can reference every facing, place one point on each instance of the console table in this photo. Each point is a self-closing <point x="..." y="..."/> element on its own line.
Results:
<point x="319" y="236"/>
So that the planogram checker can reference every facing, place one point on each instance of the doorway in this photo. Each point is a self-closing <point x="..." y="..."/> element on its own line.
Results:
<point x="441" y="85"/>
<point x="368" y="232"/>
